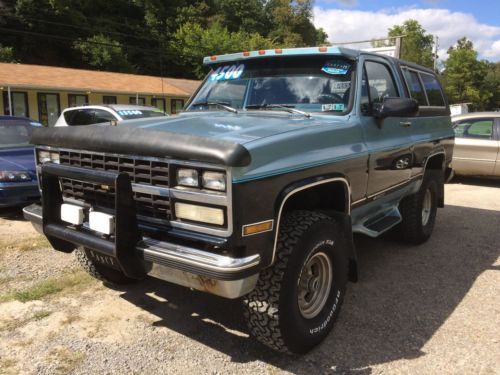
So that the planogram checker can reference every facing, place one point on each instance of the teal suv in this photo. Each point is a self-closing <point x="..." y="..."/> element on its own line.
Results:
<point x="256" y="189"/>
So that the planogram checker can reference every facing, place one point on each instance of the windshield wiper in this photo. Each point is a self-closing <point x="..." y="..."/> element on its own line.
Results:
<point x="223" y="105"/>
<point x="285" y="107"/>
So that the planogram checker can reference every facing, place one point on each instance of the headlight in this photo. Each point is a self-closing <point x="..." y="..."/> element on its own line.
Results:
<point x="187" y="177"/>
<point x="48" y="156"/>
<point x="14" y="176"/>
<point x="214" y="181"/>
<point x="202" y="214"/>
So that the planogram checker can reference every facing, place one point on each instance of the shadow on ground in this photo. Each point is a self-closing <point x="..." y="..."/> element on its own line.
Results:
<point x="404" y="295"/>
<point x="11" y="213"/>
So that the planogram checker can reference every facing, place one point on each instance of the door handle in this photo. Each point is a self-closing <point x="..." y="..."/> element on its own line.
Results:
<point x="405" y="124"/>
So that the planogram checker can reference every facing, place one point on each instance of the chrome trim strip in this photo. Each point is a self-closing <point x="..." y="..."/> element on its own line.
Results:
<point x="343" y="180"/>
<point x="195" y="257"/>
<point x="193" y="196"/>
<point x="260" y="222"/>
<point x="30" y="213"/>
<point x="395" y="186"/>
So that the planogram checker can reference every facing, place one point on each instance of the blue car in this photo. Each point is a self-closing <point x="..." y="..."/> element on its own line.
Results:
<point x="18" y="182"/>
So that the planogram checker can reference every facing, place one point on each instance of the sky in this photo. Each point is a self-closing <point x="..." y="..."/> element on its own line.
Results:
<point x="354" y="20"/>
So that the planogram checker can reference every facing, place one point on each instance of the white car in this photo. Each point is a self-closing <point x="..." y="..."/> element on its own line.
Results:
<point x="99" y="114"/>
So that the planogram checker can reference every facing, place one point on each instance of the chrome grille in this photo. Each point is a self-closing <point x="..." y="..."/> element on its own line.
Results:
<point x="141" y="171"/>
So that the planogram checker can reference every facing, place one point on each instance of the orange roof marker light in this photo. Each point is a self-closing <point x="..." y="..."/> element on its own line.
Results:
<point x="278" y="51"/>
<point x="323" y="49"/>
<point x="262" y="52"/>
<point x="246" y="53"/>
<point x="213" y="58"/>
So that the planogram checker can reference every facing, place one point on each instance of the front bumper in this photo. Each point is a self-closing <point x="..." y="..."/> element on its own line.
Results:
<point x="18" y="194"/>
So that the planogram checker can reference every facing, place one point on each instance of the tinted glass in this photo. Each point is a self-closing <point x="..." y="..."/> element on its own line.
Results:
<point x="315" y="84"/>
<point x="14" y="133"/>
<point x="377" y="84"/>
<point x="79" y="117"/>
<point x="433" y="90"/>
<point x="101" y="116"/>
<point x="415" y="87"/>
<point x="480" y="129"/>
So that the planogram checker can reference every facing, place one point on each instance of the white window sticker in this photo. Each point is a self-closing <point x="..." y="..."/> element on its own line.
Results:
<point x="227" y="72"/>
<point x="332" y="107"/>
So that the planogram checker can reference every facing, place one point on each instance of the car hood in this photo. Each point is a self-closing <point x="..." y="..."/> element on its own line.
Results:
<point x="17" y="159"/>
<point x="241" y="128"/>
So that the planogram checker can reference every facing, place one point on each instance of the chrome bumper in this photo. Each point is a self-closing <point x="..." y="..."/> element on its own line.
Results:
<point x="210" y="272"/>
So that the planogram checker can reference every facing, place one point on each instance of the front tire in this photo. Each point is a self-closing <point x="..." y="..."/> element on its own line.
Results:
<point x="297" y="299"/>
<point x="100" y="271"/>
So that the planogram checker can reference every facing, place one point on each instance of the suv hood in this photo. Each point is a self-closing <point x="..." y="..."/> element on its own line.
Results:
<point x="17" y="159"/>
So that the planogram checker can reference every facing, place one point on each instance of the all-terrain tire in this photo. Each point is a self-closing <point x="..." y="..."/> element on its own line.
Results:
<point x="100" y="271"/>
<point x="272" y="309"/>
<point x="416" y="227"/>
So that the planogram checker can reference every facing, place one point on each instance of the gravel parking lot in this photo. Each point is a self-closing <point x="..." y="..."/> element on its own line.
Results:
<point x="433" y="308"/>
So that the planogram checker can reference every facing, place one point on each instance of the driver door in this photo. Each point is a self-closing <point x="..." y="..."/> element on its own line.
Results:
<point x="389" y="144"/>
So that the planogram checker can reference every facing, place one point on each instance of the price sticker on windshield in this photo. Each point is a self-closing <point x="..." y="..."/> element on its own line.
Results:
<point x="227" y="72"/>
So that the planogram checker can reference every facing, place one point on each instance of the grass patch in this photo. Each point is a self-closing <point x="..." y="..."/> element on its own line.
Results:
<point x="73" y="281"/>
<point x="12" y="324"/>
<point x="24" y="244"/>
<point x="66" y="359"/>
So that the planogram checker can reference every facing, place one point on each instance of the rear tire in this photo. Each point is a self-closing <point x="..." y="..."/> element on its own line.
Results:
<point x="419" y="212"/>
<point x="100" y="271"/>
<point x="297" y="299"/>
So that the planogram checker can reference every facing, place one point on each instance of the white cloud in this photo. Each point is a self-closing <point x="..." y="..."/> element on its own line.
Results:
<point x="353" y="25"/>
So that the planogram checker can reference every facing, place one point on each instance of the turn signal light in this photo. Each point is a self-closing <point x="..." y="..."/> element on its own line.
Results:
<point x="264" y="226"/>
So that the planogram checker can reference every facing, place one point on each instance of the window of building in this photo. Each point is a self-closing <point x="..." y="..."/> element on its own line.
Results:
<point x="159" y="103"/>
<point x="137" y="101"/>
<point x="433" y="90"/>
<point x="378" y="83"/>
<point x="477" y="128"/>
<point x="176" y="105"/>
<point x="415" y="86"/>
<point x="77" y="100"/>
<point x="108" y="99"/>
<point x="19" y="102"/>
<point x="48" y="108"/>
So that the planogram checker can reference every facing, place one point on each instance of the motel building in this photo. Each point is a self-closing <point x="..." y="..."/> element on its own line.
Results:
<point x="42" y="92"/>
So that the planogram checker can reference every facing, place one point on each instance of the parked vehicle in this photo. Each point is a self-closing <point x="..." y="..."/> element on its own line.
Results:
<point x="255" y="190"/>
<point x="100" y="114"/>
<point x="18" y="183"/>
<point x="477" y="144"/>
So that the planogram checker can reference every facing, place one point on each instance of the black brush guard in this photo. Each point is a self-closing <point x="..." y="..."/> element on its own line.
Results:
<point x="119" y="253"/>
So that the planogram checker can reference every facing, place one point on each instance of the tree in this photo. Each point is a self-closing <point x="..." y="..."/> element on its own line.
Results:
<point x="416" y="45"/>
<point x="103" y="53"/>
<point x="6" y="54"/>
<point x="465" y="76"/>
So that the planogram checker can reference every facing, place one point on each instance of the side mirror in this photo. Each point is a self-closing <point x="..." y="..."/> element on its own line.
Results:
<point x="395" y="107"/>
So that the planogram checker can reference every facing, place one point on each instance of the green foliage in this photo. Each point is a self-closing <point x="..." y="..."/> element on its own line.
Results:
<point x="103" y="53"/>
<point x="469" y="80"/>
<point x="193" y="42"/>
<point x="416" y="45"/>
<point x="6" y="54"/>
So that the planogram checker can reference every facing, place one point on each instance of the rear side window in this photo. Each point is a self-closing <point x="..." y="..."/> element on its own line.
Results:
<point x="433" y="90"/>
<point x="79" y="117"/>
<point x="477" y="128"/>
<point x="415" y="86"/>
<point x="101" y="116"/>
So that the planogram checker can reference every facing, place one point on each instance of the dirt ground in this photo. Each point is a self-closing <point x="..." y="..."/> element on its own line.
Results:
<point x="429" y="309"/>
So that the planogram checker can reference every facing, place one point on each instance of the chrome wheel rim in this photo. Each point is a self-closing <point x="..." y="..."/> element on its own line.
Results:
<point x="426" y="207"/>
<point x="314" y="285"/>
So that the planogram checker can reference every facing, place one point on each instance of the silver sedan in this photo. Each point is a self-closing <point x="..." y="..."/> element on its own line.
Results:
<point x="477" y="144"/>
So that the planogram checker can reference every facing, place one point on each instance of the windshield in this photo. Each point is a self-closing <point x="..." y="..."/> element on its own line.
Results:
<point x="15" y="133"/>
<point x="142" y="113"/>
<point x="312" y="84"/>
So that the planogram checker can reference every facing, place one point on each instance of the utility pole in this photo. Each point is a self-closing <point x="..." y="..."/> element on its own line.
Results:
<point x="436" y="45"/>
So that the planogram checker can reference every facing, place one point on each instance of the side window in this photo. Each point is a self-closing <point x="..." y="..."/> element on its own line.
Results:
<point x="101" y="116"/>
<point x="81" y="117"/>
<point x="478" y="129"/>
<point x="378" y="83"/>
<point x="414" y="86"/>
<point x="433" y="90"/>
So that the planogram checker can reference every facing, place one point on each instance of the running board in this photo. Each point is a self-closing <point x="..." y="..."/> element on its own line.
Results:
<point x="374" y="227"/>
